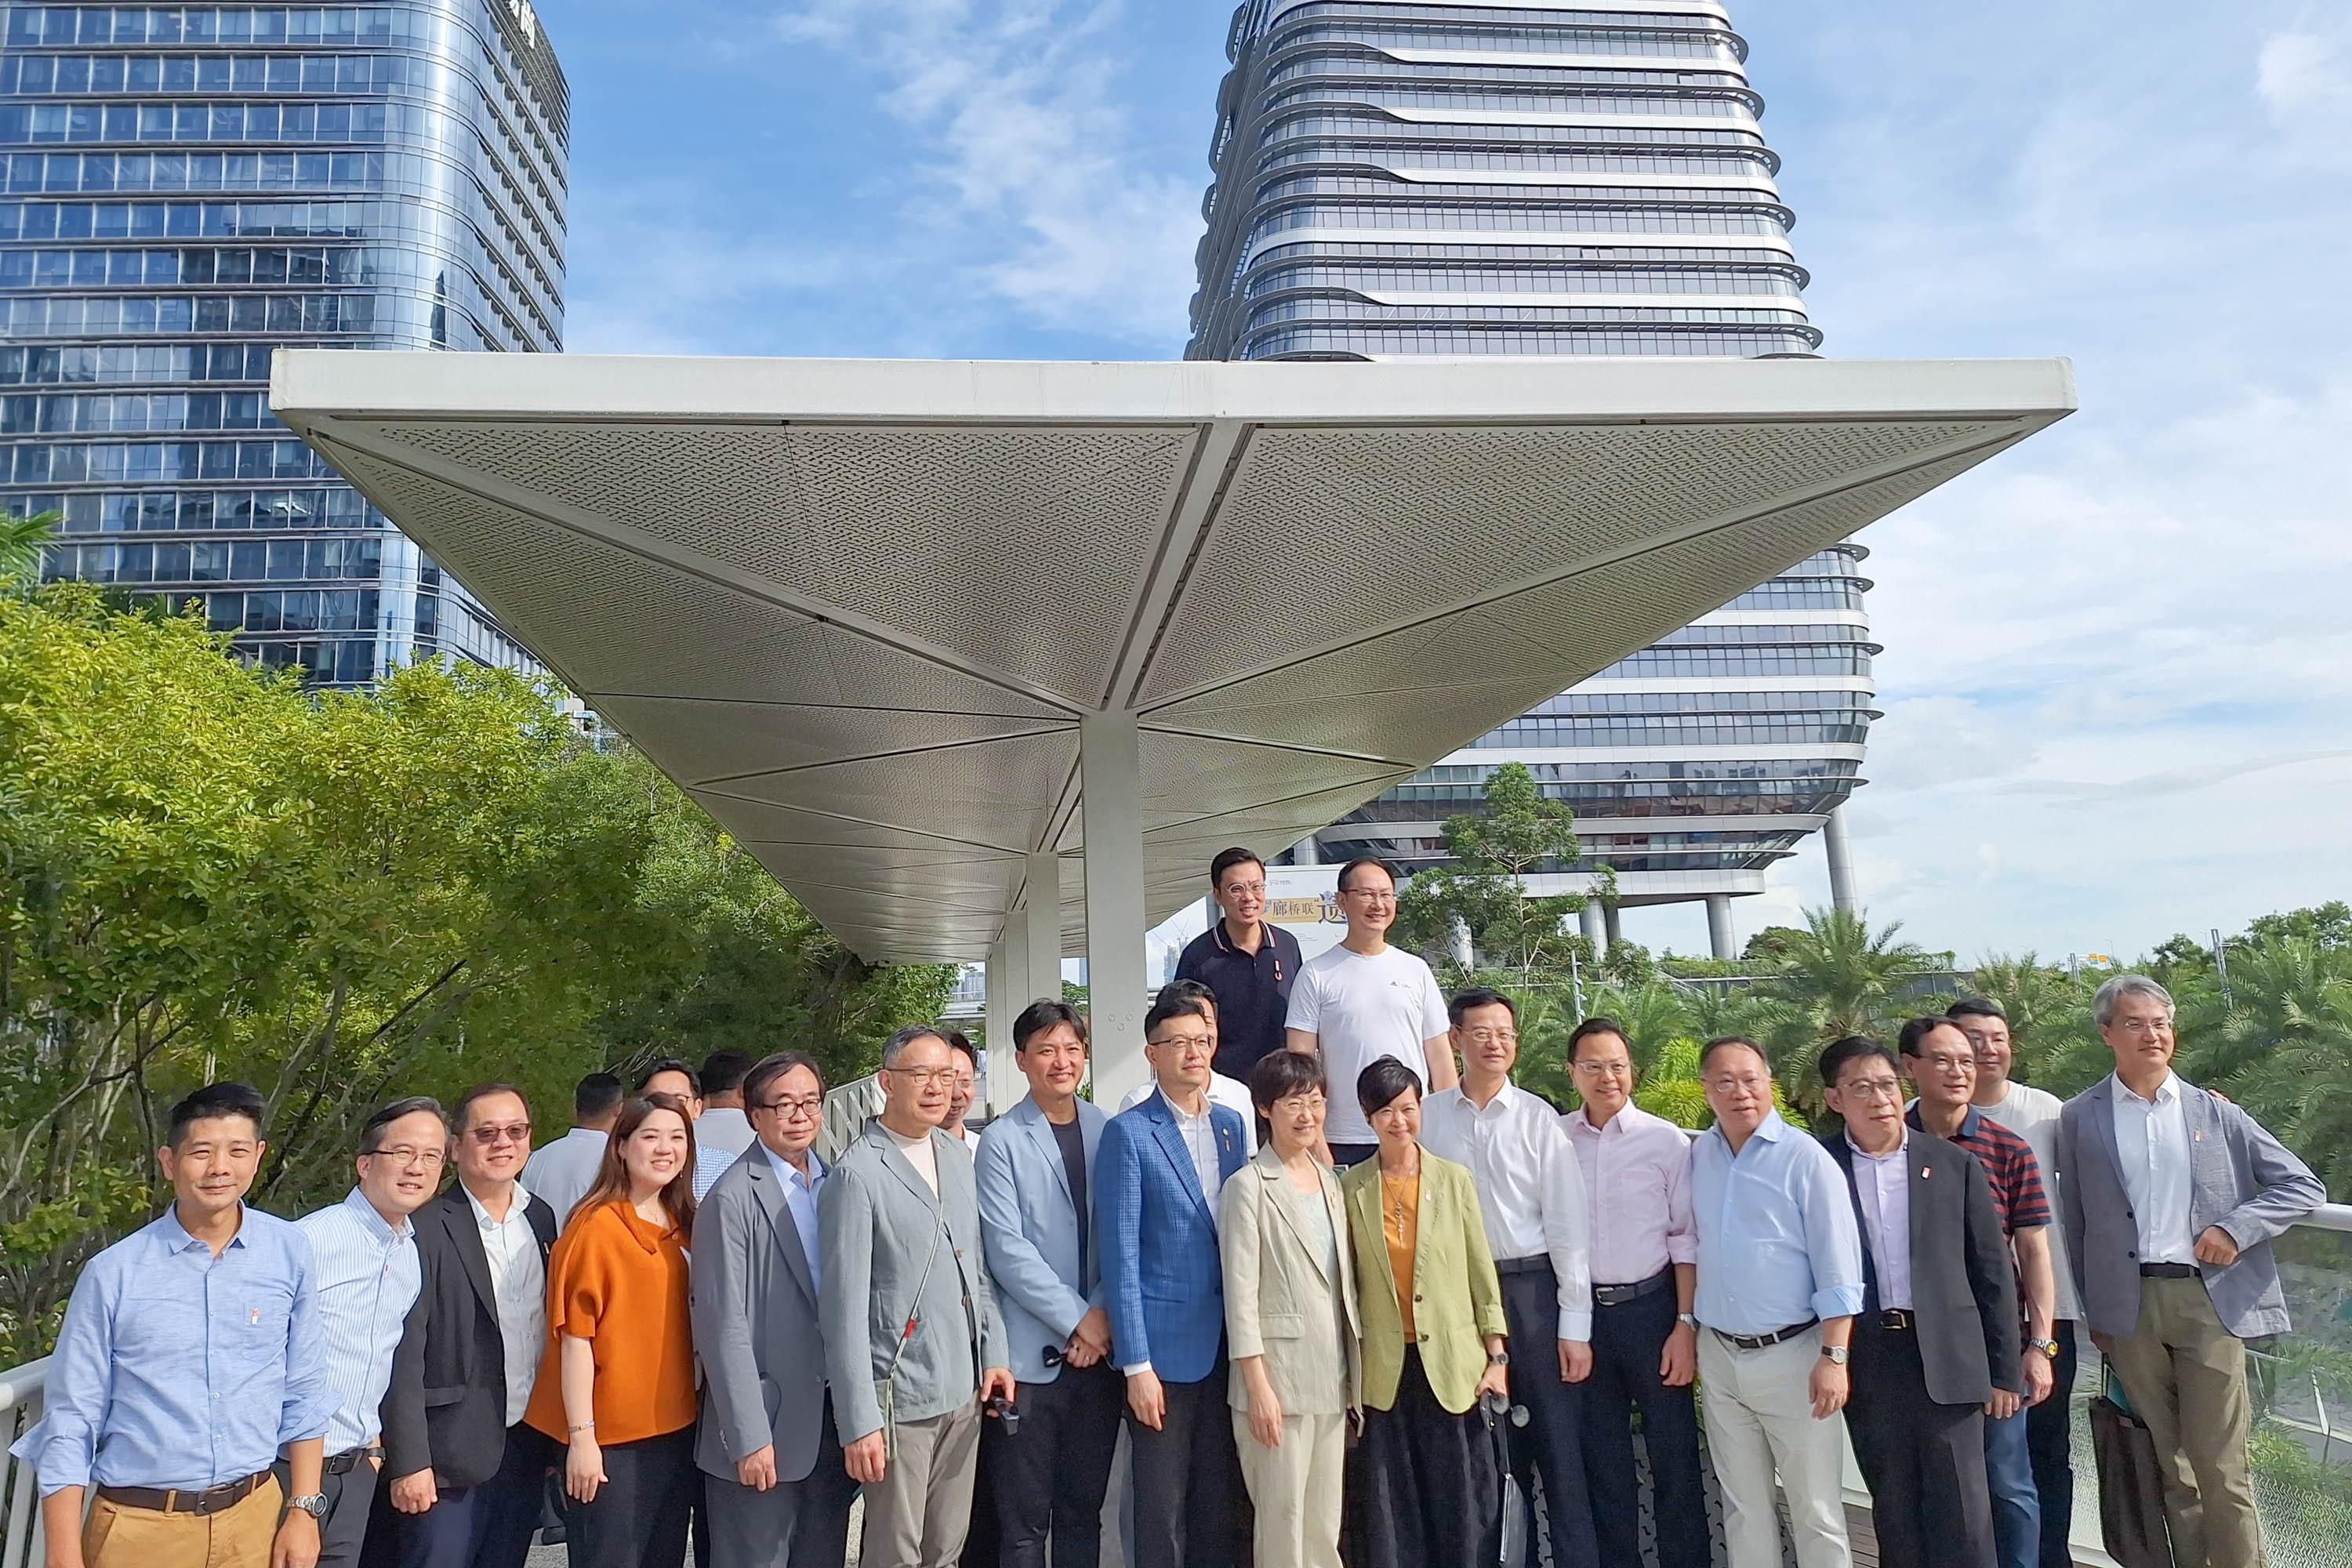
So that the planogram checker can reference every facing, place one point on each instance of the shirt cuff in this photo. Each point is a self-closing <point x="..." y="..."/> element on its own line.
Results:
<point x="1838" y="1301"/>
<point x="1576" y="1326"/>
<point x="1131" y="1371"/>
<point x="1682" y="1249"/>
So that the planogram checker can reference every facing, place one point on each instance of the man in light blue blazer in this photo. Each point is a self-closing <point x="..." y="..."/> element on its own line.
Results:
<point x="1037" y="1165"/>
<point x="1162" y="1169"/>
<point x="2170" y="1196"/>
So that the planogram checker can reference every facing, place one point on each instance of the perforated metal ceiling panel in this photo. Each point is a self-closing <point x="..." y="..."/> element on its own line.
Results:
<point x="859" y="607"/>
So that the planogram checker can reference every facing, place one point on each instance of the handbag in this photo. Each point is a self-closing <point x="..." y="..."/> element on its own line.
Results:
<point x="886" y="1387"/>
<point x="1511" y="1539"/>
<point x="2131" y="1483"/>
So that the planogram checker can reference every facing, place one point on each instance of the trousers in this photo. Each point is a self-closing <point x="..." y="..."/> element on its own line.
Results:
<point x="917" y="1515"/>
<point x="1627" y="1342"/>
<point x="1759" y="1417"/>
<point x="1192" y="1508"/>
<point x="2050" y="1439"/>
<point x="792" y="1523"/>
<point x="114" y="1536"/>
<point x="488" y="1525"/>
<point x="351" y="1498"/>
<point x="1052" y="1474"/>
<point x="1297" y="1490"/>
<point x="2185" y="1377"/>
<point x="1552" y="1445"/>
<point x="1923" y="1462"/>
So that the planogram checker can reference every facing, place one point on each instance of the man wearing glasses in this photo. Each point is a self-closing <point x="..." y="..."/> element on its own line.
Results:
<point x="1363" y="1000"/>
<point x="775" y="1486"/>
<point x="363" y="1252"/>
<point x="465" y="1472"/>
<point x="1248" y="964"/>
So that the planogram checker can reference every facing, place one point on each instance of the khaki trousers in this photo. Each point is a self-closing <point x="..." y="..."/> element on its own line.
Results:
<point x="917" y="1514"/>
<point x="1296" y="1490"/>
<point x="2185" y="1376"/>
<point x="1759" y="1417"/>
<point x="240" y="1537"/>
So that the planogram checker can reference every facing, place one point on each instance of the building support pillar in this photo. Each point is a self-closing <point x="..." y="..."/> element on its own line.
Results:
<point x="1613" y="921"/>
<point x="1041" y="916"/>
<point x="1841" y="854"/>
<point x="1003" y="1085"/>
<point x="1596" y="928"/>
<point x="1110" y="790"/>
<point x="1718" y="926"/>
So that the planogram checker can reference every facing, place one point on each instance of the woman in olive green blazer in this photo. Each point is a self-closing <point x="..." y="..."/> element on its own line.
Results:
<point x="1425" y="1485"/>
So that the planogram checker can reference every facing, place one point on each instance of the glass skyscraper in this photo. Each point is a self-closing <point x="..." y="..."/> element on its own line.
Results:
<point x="190" y="186"/>
<point x="1546" y="178"/>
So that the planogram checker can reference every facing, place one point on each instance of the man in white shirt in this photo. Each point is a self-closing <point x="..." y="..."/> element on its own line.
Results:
<point x="1531" y="1197"/>
<point x="724" y="1124"/>
<point x="1227" y="1091"/>
<point x="2032" y="1114"/>
<point x="564" y="1170"/>
<point x="1363" y="1000"/>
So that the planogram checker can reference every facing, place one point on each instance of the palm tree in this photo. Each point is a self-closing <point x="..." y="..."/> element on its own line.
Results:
<point x="22" y="542"/>
<point x="1839" y="977"/>
<point x="2282" y="1046"/>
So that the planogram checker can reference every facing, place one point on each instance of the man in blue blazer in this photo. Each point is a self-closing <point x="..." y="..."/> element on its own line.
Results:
<point x="1161" y="1170"/>
<point x="1037" y="1165"/>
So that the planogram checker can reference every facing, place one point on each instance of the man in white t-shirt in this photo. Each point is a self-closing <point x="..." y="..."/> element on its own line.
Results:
<point x="1363" y="1000"/>
<point x="2032" y="1114"/>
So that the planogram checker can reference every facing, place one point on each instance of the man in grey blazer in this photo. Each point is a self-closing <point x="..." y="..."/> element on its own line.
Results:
<point x="914" y="1348"/>
<point x="2171" y="1198"/>
<point x="1035" y="1170"/>
<point x="774" y="1487"/>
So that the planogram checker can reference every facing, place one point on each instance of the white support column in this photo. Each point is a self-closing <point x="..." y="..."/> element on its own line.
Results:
<point x="1041" y="916"/>
<point x="1841" y="854"/>
<point x="1110" y="785"/>
<point x="1613" y="921"/>
<point x="1596" y="930"/>
<point x="1003" y="1086"/>
<point x="1718" y="926"/>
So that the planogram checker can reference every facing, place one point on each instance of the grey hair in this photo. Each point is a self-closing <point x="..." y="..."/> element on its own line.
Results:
<point x="2111" y="996"/>
<point x="894" y="1049"/>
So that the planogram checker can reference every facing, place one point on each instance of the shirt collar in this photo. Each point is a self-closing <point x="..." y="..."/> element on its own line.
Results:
<point x="175" y="1237"/>
<point x="515" y="1206"/>
<point x="375" y="1224"/>
<point x="1862" y="1153"/>
<point x="1618" y="1125"/>
<point x="1970" y="1121"/>
<point x="786" y="1173"/>
<point x="2167" y="1092"/>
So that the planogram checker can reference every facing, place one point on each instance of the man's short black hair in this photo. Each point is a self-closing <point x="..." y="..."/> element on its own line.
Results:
<point x="959" y="1041"/>
<point x="1915" y="1031"/>
<point x="1853" y="1048"/>
<point x="672" y="1064"/>
<point x="1042" y="1015"/>
<point x="1197" y="990"/>
<point x="373" y="1128"/>
<point x="765" y="1073"/>
<point x="1977" y="1007"/>
<point x="1381" y="1082"/>
<point x="595" y="1096"/>
<point x="212" y="1101"/>
<point x="1601" y="1024"/>
<point x="1361" y="861"/>
<point x="1479" y="996"/>
<point x="1706" y="1052"/>
<point x="1278" y="1075"/>
<point x="461" y="1115"/>
<point x="722" y="1071"/>
<point x="1227" y="859"/>
<point x="1167" y="1006"/>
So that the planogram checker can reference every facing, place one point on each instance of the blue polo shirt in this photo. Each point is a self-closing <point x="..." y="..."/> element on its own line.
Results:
<point x="1253" y="991"/>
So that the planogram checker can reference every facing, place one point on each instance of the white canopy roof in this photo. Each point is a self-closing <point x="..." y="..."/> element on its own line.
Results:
<point x="859" y="609"/>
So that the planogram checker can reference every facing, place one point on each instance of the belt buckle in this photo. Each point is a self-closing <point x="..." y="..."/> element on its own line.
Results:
<point x="1895" y="1318"/>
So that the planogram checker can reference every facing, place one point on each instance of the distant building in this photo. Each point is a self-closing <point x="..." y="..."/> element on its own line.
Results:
<point x="1449" y="178"/>
<point x="188" y="187"/>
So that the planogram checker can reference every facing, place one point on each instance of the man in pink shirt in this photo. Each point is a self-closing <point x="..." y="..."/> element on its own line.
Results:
<point x="1644" y="1262"/>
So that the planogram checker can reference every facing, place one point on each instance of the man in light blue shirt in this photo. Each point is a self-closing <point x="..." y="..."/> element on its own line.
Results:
<point x="363" y="1251"/>
<point x="1780" y="1279"/>
<point x="189" y="1355"/>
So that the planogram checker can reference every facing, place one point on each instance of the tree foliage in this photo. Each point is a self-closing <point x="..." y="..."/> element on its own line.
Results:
<point x="1483" y="892"/>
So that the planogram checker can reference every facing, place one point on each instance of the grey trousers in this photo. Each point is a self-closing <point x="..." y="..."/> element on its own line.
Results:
<point x="2185" y="1377"/>
<point x="916" y="1516"/>
<point x="349" y="1496"/>
<point x="792" y="1524"/>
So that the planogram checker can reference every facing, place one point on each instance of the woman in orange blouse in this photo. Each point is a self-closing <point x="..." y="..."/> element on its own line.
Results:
<point x="616" y="1384"/>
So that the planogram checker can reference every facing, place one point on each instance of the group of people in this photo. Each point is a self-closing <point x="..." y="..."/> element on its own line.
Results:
<point x="1346" y="1291"/>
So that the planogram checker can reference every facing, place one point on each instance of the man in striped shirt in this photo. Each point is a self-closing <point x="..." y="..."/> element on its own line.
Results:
<point x="1941" y="1061"/>
<point x="363" y="1256"/>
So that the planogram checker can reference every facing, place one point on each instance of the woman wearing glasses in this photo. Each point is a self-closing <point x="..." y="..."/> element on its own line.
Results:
<point x="616" y="1382"/>
<point x="1423" y="1485"/>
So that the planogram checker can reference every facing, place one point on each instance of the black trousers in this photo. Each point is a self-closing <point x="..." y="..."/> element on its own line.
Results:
<point x="487" y="1525"/>
<point x="639" y="1517"/>
<point x="1424" y="1490"/>
<point x="351" y="1498"/>
<point x="1052" y="1474"/>
<point x="1923" y="1462"/>
<point x="1552" y="1445"/>
<point x="1627" y="1342"/>
<point x="2050" y="1443"/>
<point x="1191" y="1508"/>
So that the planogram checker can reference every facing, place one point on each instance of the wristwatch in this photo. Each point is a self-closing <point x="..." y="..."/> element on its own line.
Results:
<point x="1688" y="1320"/>
<point x="2047" y="1347"/>
<point x="313" y="1503"/>
<point x="1498" y="1358"/>
<point x="1837" y="1353"/>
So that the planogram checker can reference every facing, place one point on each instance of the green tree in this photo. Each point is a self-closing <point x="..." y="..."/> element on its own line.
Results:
<point x="1838" y="977"/>
<point x="22" y="541"/>
<point x="1482" y="889"/>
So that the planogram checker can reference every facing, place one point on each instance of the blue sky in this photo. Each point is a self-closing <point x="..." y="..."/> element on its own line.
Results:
<point x="2118" y="666"/>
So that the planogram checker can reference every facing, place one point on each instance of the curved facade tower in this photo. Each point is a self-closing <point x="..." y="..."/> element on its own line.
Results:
<point x="1400" y="177"/>
<point x="186" y="189"/>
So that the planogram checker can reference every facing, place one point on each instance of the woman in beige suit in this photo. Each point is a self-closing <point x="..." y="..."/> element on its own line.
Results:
<point x="1290" y="1320"/>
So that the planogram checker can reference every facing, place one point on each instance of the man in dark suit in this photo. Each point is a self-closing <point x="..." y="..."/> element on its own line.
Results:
<point x="1938" y="1330"/>
<point x="464" y="1474"/>
<point x="777" y="1491"/>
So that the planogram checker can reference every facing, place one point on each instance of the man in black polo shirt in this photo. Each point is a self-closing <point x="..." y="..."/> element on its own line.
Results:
<point x="1247" y="964"/>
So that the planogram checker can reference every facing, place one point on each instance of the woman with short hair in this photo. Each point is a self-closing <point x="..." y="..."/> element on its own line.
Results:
<point x="1426" y="1484"/>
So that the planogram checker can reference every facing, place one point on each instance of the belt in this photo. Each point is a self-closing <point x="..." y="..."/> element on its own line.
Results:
<point x="1765" y="1342"/>
<point x="350" y="1459"/>
<point x="2168" y="1271"/>
<point x="1538" y="1261"/>
<point x="212" y="1500"/>
<point x="1893" y="1321"/>
<point x="1618" y="1295"/>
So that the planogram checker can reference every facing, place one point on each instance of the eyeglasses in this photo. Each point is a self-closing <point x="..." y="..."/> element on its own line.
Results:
<point x="1491" y="1036"/>
<point x="1605" y="1069"/>
<point x="1749" y="1085"/>
<point x="922" y="1076"/>
<point x="1370" y="895"/>
<point x="1245" y="890"/>
<point x="2145" y="1025"/>
<point x="790" y="1106"/>
<point x="1184" y="1043"/>
<point x="490" y="1137"/>
<point x="406" y="1155"/>
<point x="1874" y="1088"/>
